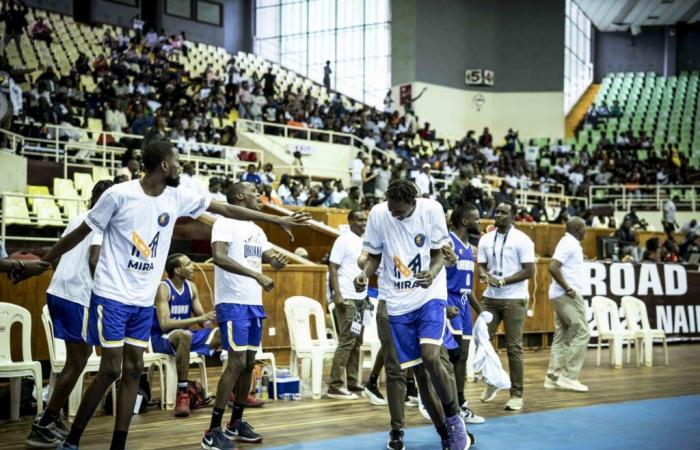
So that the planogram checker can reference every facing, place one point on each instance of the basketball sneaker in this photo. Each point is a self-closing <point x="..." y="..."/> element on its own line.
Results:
<point x="459" y="440"/>
<point x="395" y="440"/>
<point x="550" y="381"/>
<point x="41" y="437"/>
<point x="374" y="396"/>
<point x="514" y="404"/>
<point x="489" y="393"/>
<point x="214" y="439"/>
<point x="242" y="431"/>
<point x="468" y="415"/>
<point x="341" y="394"/>
<point x="59" y="427"/>
<point x="182" y="405"/>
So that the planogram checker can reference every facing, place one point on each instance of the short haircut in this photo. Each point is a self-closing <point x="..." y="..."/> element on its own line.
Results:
<point x="513" y="209"/>
<point x="235" y="189"/>
<point x="351" y="214"/>
<point x="402" y="190"/>
<point x="155" y="153"/>
<point x="354" y="189"/>
<point x="172" y="263"/>
<point x="98" y="189"/>
<point x="460" y="211"/>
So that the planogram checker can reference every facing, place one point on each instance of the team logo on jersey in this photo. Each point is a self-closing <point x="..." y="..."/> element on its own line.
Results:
<point x="419" y="240"/>
<point x="163" y="219"/>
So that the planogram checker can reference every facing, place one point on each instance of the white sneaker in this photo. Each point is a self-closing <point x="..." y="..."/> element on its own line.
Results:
<point x="341" y="394"/>
<point x="468" y="415"/>
<point x="411" y="401"/>
<point x="489" y="393"/>
<point x="514" y="404"/>
<point x="571" y="385"/>
<point x="549" y="383"/>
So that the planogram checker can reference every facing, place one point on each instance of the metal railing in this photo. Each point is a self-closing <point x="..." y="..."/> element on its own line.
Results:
<point x="646" y="196"/>
<point x="33" y="218"/>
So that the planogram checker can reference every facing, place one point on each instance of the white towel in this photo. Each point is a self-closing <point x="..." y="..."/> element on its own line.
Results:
<point x="486" y="359"/>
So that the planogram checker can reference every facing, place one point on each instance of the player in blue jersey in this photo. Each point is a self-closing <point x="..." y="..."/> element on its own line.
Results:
<point x="176" y="309"/>
<point x="460" y="281"/>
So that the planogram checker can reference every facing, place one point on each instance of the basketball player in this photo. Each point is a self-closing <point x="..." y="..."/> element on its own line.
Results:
<point x="177" y="308"/>
<point x="137" y="219"/>
<point x="407" y="233"/>
<point x="68" y="297"/>
<point x="460" y="280"/>
<point x="239" y="248"/>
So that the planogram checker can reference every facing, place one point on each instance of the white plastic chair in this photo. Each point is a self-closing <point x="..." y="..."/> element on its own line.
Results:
<point x="298" y="311"/>
<point x="10" y="314"/>
<point x="167" y="375"/>
<point x="636" y="312"/>
<point x="269" y="356"/>
<point x="57" y="357"/>
<point x="607" y="318"/>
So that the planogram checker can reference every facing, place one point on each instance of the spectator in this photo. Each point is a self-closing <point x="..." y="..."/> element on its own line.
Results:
<point x="652" y="254"/>
<point x="137" y="24"/>
<point x="268" y="196"/>
<point x="13" y="14"/>
<point x="669" y="215"/>
<point x="338" y="194"/>
<point x="669" y="252"/>
<point x="426" y="182"/>
<point x="269" y="80"/>
<point x="267" y="177"/>
<point x="628" y="239"/>
<point x="486" y="140"/>
<point x="352" y="201"/>
<point x="383" y="178"/>
<point x="538" y="212"/>
<point x="40" y="31"/>
<point x="294" y="199"/>
<point x="251" y="176"/>
<point x="368" y="178"/>
<point x="215" y="190"/>
<point x="317" y="197"/>
<point x="327" y="76"/>
<point x="284" y="188"/>
<point x="188" y="180"/>
<point x="691" y="227"/>
<point x="632" y="216"/>
<point x="357" y="166"/>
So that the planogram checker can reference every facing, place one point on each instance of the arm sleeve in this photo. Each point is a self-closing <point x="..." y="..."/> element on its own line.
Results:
<point x="221" y="231"/>
<point x="191" y="204"/>
<point x="103" y="211"/>
<point x="337" y="252"/>
<point x="526" y="250"/>
<point x="439" y="237"/>
<point x="373" y="237"/>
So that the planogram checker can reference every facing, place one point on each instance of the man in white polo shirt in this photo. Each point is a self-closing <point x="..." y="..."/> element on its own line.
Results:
<point x="506" y="261"/>
<point x="571" y="333"/>
<point x="349" y="304"/>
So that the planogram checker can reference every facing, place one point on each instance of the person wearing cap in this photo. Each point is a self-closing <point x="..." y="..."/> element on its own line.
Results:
<point x="426" y="182"/>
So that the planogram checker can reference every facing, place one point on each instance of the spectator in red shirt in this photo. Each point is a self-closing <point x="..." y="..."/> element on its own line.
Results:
<point x="40" y="31"/>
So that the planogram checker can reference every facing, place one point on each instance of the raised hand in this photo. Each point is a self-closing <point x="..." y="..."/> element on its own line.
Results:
<point x="298" y="219"/>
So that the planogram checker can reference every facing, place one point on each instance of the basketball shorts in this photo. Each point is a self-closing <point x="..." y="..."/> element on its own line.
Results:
<point x="460" y="325"/>
<point x="240" y="326"/>
<point x="70" y="319"/>
<point x="426" y="325"/>
<point x="200" y="342"/>
<point x="111" y="323"/>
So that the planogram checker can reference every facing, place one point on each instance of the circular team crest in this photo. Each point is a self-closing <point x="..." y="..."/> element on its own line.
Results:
<point x="419" y="240"/>
<point x="163" y="219"/>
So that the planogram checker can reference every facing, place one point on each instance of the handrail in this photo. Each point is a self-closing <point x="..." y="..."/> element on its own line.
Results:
<point x="652" y="195"/>
<point x="313" y="224"/>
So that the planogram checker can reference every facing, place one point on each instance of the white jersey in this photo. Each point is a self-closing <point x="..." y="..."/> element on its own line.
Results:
<point x="137" y="231"/>
<point x="405" y="247"/>
<point x="72" y="279"/>
<point x="246" y="244"/>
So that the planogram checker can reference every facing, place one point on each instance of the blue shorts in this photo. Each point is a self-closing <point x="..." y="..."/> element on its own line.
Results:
<point x="111" y="324"/>
<point x="200" y="342"/>
<point x="70" y="319"/>
<point x="240" y="326"/>
<point x="460" y="325"/>
<point x="426" y="325"/>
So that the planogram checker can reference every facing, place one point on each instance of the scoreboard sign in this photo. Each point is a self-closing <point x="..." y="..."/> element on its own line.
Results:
<point x="478" y="77"/>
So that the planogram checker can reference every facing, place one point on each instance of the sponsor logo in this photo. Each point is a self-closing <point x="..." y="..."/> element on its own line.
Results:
<point x="419" y="240"/>
<point x="164" y="219"/>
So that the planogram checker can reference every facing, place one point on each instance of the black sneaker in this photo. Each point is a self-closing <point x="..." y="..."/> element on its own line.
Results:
<point x="411" y="390"/>
<point x="472" y="439"/>
<point x="242" y="431"/>
<point x="59" y="427"/>
<point x="41" y="437"/>
<point x="395" y="440"/>
<point x="375" y="397"/>
<point x="216" y="440"/>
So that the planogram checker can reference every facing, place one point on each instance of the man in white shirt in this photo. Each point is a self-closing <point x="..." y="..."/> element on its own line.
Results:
<point x="239" y="248"/>
<point x="68" y="297"/>
<point x="349" y="305"/>
<point x="571" y="333"/>
<point x="506" y="261"/>
<point x="426" y="182"/>
<point x="137" y="219"/>
<point x="406" y="234"/>
<point x="356" y="166"/>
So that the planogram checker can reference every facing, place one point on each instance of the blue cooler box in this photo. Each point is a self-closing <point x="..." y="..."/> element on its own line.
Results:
<point x="286" y="385"/>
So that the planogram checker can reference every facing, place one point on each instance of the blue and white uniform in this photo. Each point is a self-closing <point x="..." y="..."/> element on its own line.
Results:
<point x="180" y="306"/>
<point x="137" y="229"/>
<point x="238" y="299"/>
<point x="68" y="295"/>
<point x="416" y="315"/>
<point x="460" y="281"/>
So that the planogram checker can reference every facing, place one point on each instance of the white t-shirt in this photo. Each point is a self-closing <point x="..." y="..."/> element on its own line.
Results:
<point x="570" y="254"/>
<point x="72" y="279"/>
<point x="137" y="231"/>
<point x="246" y="244"/>
<point x="405" y="247"/>
<point x="519" y="249"/>
<point x="356" y="166"/>
<point x="345" y="253"/>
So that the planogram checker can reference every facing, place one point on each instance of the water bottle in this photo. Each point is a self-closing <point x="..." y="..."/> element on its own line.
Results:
<point x="258" y="387"/>
<point x="265" y="383"/>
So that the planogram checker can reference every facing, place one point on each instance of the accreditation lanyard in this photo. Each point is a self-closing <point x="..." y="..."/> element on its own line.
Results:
<point x="493" y="252"/>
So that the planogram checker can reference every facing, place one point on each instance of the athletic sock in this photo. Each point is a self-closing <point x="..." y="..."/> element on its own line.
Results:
<point x="118" y="440"/>
<point x="237" y="412"/>
<point x="450" y="409"/>
<point x="461" y="399"/>
<point x="182" y="386"/>
<point x="372" y="381"/>
<point x="442" y="431"/>
<point x="216" y="417"/>
<point x="74" y="435"/>
<point x="48" y="418"/>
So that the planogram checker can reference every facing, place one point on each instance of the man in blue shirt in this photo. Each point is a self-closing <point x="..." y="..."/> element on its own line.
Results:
<point x="251" y="176"/>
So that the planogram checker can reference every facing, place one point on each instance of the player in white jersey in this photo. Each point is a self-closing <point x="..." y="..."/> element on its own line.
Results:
<point x="407" y="234"/>
<point x="239" y="248"/>
<point x="68" y="297"/>
<point x="137" y="219"/>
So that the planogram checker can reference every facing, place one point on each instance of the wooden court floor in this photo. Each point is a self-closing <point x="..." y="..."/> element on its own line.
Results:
<point x="285" y="423"/>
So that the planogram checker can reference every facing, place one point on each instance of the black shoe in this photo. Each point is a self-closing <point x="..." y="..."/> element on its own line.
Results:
<point x="395" y="440"/>
<point x="375" y="397"/>
<point x="471" y="438"/>
<point x="59" y="427"/>
<point x="216" y="440"/>
<point x="41" y="437"/>
<point x="242" y="431"/>
<point x="411" y="390"/>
